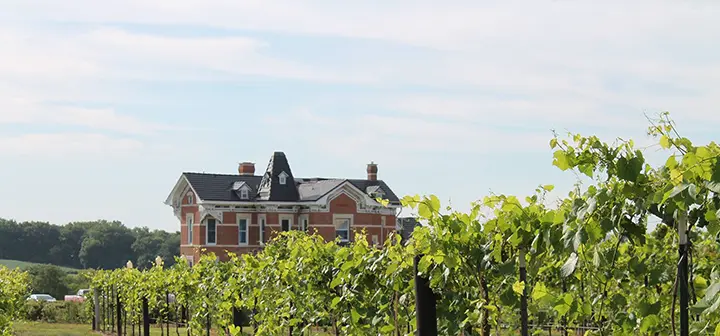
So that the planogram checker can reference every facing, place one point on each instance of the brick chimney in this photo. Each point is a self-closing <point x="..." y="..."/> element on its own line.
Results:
<point x="246" y="168"/>
<point x="372" y="171"/>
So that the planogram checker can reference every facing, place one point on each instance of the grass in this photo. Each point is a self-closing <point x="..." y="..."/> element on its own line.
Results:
<point x="61" y="329"/>
<point x="25" y="264"/>
<point x="51" y="329"/>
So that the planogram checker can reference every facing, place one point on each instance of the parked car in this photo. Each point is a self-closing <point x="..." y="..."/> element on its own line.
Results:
<point x="41" y="297"/>
<point x="79" y="297"/>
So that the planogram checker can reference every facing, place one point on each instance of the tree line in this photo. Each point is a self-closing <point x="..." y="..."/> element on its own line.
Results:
<point x="98" y="244"/>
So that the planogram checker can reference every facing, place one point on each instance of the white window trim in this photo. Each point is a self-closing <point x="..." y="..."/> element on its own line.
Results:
<point x="304" y="222"/>
<point x="343" y="216"/>
<point x="207" y="231"/>
<point x="190" y="260"/>
<point x="189" y="223"/>
<point x="262" y="224"/>
<point x="282" y="178"/>
<point x="244" y="193"/>
<point x="190" y="198"/>
<point x="247" y="217"/>
<point x="290" y="221"/>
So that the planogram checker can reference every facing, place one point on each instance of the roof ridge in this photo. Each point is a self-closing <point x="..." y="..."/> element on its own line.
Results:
<point x="218" y="174"/>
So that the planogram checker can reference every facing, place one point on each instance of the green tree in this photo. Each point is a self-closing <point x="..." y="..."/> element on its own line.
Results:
<point x="48" y="279"/>
<point x="107" y="245"/>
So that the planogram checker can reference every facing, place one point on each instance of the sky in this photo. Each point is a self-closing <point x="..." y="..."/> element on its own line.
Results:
<point x="104" y="103"/>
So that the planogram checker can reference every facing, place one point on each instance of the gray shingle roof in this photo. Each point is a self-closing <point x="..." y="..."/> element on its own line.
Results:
<point x="407" y="226"/>
<point x="314" y="189"/>
<point x="219" y="187"/>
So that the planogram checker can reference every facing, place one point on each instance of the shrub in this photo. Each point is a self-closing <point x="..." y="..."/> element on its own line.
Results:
<point x="57" y="312"/>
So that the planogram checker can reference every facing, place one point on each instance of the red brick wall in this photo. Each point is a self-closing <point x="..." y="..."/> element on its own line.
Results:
<point x="320" y="222"/>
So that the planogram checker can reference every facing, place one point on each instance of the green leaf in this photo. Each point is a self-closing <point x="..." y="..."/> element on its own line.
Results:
<point x="716" y="172"/>
<point x="548" y="187"/>
<point x="562" y="309"/>
<point x="700" y="282"/>
<point x="665" y="142"/>
<point x="336" y="282"/>
<point x="507" y="268"/>
<point x="355" y="316"/>
<point x="646" y="309"/>
<point x="539" y="291"/>
<point x="424" y="211"/>
<point x="569" y="267"/>
<point x="649" y="322"/>
<point x="561" y="160"/>
<point x="519" y="287"/>
<point x="629" y="170"/>
<point x="434" y="203"/>
<point x="387" y="329"/>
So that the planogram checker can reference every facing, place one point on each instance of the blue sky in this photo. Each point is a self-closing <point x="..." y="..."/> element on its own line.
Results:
<point x="104" y="104"/>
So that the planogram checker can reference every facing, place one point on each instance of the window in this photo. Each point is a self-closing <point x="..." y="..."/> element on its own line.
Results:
<point x="262" y="220"/>
<point x="286" y="222"/>
<point x="189" y="221"/>
<point x="282" y="178"/>
<point x="211" y="231"/>
<point x="242" y="231"/>
<point x="244" y="194"/>
<point x="285" y="225"/>
<point x="375" y="240"/>
<point x="304" y="225"/>
<point x="190" y="198"/>
<point x="189" y="260"/>
<point x="342" y="228"/>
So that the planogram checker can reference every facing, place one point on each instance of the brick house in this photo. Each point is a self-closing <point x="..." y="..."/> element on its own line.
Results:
<point x="239" y="213"/>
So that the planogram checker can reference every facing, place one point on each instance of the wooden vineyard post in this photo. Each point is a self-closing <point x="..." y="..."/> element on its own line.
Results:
<point x="237" y="317"/>
<point x="523" y="297"/>
<point x="118" y="313"/>
<point x="208" y="325"/>
<point x="96" y="309"/>
<point x="167" y="313"/>
<point x="683" y="274"/>
<point x="425" y="305"/>
<point x="146" y="317"/>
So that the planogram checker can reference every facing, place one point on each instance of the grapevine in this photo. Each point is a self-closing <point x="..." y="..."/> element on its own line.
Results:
<point x="14" y="287"/>
<point x="590" y="259"/>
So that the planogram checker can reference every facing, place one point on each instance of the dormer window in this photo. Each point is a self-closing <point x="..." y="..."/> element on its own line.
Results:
<point x="242" y="189"/>
<point x="375" y="192"/>
<point x="283" y="178"/>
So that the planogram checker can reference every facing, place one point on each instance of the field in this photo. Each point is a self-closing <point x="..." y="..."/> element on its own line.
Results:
<point x="24" y="265"/>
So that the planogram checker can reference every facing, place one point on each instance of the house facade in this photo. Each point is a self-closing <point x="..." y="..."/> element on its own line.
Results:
<point x="239" y="213"/>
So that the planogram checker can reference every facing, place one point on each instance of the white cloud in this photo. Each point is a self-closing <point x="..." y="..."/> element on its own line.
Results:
<point x="63" y="144"/>
<point x="18" y="108"/>
<point x="378" y="135"/>
<point x="449" y="24"/>
<point x="556" y="63"/>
